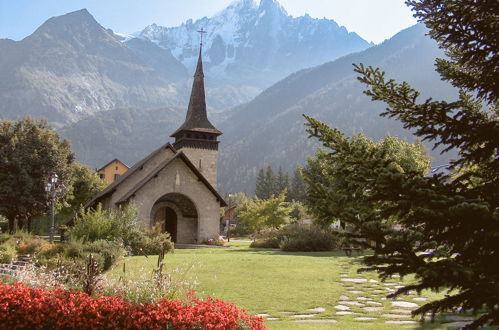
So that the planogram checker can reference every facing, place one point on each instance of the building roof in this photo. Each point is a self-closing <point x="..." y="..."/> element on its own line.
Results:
<point x="112" y="187"/>
<point x="116" y="159"/>
<point x="179" y="155"/>
<point x="197" y="118"/>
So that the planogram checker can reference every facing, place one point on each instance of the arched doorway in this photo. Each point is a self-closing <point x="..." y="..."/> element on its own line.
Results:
<point x="178" y="215"/>
<point x="167" y="217"/>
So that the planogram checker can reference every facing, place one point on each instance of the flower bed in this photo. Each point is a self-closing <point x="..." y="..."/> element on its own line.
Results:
<point x="22" y="307"/>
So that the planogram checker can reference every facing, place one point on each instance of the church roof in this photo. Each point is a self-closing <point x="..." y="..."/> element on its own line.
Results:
<point x="197" y="118"/>
<point x="180" y="155"/>
<point x="112" y="187"/>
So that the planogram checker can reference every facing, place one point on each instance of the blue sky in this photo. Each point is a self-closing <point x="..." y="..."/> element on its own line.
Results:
<point x="374" y="20"/>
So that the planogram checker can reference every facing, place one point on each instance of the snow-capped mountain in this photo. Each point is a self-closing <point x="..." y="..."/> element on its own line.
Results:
<point x="251" y="43"/>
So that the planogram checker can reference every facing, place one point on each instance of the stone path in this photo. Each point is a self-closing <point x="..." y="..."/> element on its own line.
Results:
<point x="364" y="300"/>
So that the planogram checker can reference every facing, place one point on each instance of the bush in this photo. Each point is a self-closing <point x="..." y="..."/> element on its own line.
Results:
<point x="266" y="239"/>
<point x="7" y="253"/>
<point x="27" y="308"/>
<point x="121" y="225"/>
<point x="218" y="241"/>
<point x="152" y="242"/>
<point x="31" y="246"/>
<point x="49" y="251"/>
<point x="106" y="253"/>
<point x="303" y="238"/>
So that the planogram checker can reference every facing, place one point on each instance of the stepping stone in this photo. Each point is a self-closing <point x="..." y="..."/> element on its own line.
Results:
<point x="456" y="324"/>
<point x="403" y="311"/>
<point x="358" y="292"/>
<point x="345" y="313"/>
<point x="362" y="298"/>
<point x="302" y="316"/>
<point x="404" y="304"/>
<point x="372" y="309"/>
<point x="419" y="299"/>
<point x="379" y="291"/>
<point x="399" y="286"/>
<point x="317" y="321"/>
<point x="365" y="318"/>
<point x="373" y="281"/>
<point x="374" y="303"/>
<point x="262" y="315"/>
<point x="353" y="303"/>
<point x="396" y="276"/>
<point x="395" y="316"/>
<point x="401" y="322"/>
<point x="390" y="284"/>
<point x="316" y="310"/>
<point x="343" y="275"/>
<point x="285" y="312"/>
<point x="344" y="298"/>
<point x="458" y="318"/>
<point x="272" y="319"/>
<point x="342" y="307"/>
<point x="354" y="280"/>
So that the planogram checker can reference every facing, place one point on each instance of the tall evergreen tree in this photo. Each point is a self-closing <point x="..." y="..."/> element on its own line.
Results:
<point x="450" y="223"/>
<point x="282" y="182"/>
<point x="260" y="189"/>
<point x="297" y="190"/>
<point x="270" y="182"/>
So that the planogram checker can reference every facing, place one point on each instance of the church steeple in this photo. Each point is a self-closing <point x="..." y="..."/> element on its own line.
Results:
<point x="197" y="131"/>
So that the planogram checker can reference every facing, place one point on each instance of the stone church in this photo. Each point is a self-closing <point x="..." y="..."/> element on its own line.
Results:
<point x="176" y="185"/>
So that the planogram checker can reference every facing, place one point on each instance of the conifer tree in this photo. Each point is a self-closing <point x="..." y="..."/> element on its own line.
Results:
<point x="297" y="189"/>
<point x="270" y="183"/>
<point x="260" y="189"/>
<point x="282" y="182"/>
<point x="448" y="224"/>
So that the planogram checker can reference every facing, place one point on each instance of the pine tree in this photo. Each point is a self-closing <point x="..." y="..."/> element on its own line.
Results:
<point x="260" y="189"/>
<point x="270" y="183"/>
<point x="297" y="190"/>
<point x="450" y="223"/>
<point x="282" y="182"/>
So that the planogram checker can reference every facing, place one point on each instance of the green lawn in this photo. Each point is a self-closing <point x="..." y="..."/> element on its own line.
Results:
<point x="283" y="284"/>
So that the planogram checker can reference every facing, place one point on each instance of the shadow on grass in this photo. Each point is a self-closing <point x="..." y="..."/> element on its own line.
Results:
<point x="322" y="254"/>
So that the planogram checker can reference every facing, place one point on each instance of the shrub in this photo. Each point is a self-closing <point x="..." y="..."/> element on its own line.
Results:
<point x="27" y="308"/>
<point x="267" y="239"/>
<point x="49" y="251"/>
<point x="303" y="238"/>
<point x="152" y="241"/>
<point x="31" y="246"/>
<point x="7" y="253"/>
<point x="121" y="225"/>
<point x="106" y="253"/>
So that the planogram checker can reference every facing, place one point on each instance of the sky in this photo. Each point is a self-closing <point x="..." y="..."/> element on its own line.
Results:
<point x="373" y="20"/>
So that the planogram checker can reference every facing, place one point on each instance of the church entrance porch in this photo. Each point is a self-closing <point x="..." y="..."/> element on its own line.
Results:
<point x="178" y="216"/>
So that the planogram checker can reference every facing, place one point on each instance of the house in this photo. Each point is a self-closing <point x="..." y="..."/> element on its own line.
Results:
<point x="176" y="185"/>
<point x="112" y="170"/>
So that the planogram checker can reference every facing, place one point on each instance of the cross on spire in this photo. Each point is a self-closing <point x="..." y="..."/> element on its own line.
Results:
<point x="201" y="32"/>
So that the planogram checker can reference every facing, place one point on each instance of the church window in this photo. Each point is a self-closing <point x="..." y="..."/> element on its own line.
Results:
<point x="102" y="175"/>
<point x="116" y="177"/>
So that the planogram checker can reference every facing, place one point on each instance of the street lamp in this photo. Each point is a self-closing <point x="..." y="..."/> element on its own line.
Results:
<point x="52" y="189"/>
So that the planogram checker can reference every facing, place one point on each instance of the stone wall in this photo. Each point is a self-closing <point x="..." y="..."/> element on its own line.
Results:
<point x="206" y="162"/>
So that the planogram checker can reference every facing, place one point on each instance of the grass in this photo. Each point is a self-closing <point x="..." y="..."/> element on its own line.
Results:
<point x="271" y="282"/>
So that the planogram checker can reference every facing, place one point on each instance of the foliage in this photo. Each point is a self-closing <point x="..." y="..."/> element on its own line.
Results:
<point x="152" y="242"/>
<point x="116" y="225"/>
<point x="297" y="189"/>
<point x="307" y="238"/>
<point x="60" y="309"/>
<point x="447" y="226"/>
<point x="268" y="184"/>
<point x="7" y="253"/>
<point x="105" y="253"/>
<point x="84" y="185"/>
<point x="29" y="152"/>
<point x="269" y="238"/>
<point x="273" y="212"/>
<point x="30" y="245"/>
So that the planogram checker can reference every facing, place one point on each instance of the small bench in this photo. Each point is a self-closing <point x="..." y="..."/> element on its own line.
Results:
<point x="348" y="251"/>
